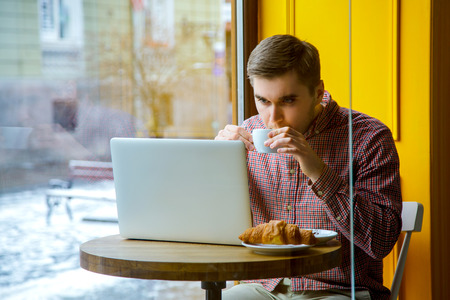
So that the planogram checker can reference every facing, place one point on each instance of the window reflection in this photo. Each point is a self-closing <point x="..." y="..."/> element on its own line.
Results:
<point x="74" y="74"/>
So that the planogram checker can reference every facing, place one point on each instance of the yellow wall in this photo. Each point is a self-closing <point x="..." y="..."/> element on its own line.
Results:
<point x="414" y="144"/>
<point x="399" y="97"/>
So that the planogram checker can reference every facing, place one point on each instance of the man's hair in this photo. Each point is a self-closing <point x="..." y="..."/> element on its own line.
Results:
<point x="279" y="54"/>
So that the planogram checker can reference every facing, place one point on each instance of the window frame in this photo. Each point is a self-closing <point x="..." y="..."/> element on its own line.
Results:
<point x="245" y="37"/>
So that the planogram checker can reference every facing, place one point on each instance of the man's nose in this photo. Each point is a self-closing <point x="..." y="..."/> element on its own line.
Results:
<point x="276" y="115"/>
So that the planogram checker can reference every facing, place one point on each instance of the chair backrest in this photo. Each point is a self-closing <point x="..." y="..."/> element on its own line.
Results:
<point x="412" y="215"/>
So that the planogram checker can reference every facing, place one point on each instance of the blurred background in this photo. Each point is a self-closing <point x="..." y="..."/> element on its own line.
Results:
<point x="74" y="74"/>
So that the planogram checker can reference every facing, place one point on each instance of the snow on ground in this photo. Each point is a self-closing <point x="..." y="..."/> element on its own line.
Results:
<point x="41" y="261"/>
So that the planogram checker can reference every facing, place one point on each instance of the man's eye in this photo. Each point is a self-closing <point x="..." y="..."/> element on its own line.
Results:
<point x="263" y="101"/>
<point x="288" y="100"/>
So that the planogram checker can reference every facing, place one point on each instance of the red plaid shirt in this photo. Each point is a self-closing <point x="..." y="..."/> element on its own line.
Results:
<point x="280" y="191"/>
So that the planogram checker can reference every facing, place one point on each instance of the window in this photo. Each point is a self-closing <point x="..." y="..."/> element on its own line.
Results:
<point x="61" y="21"/>
<point x="74" y="74"/>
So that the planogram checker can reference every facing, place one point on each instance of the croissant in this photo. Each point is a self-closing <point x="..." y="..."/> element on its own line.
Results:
<point x="278" y="233"/>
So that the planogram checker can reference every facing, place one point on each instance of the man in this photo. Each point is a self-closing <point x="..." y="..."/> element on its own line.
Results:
<point x="307" y="181"/>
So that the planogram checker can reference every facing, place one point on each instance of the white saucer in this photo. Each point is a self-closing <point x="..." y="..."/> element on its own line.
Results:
<point x="323" y="235"/>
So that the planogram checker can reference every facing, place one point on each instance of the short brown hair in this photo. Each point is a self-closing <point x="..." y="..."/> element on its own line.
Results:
<point x="279" y="54"/>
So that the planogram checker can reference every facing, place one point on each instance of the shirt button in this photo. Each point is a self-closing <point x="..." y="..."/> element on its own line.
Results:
<point x="320" y="193"/>
<point x="317" y="131"/>
<point x="292" y="171"/>
<point x="338" y="218"/>
<point x="289" y="207"/>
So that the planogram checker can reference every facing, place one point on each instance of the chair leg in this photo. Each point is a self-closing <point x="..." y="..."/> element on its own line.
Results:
<point x="396" y="282"/>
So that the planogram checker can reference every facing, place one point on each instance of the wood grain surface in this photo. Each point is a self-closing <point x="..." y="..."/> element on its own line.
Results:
<point x="116" y="256"/>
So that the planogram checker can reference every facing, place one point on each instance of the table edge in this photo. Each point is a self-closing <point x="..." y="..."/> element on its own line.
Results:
<point x="284" y="267"/>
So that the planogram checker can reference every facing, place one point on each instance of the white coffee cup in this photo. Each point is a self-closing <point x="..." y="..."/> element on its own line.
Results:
<point x="259" y="137"/>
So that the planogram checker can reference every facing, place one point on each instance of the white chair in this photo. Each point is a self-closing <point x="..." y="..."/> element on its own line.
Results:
<point x="412" y="215"/>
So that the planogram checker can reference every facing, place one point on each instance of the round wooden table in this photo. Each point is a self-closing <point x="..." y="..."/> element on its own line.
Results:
<point x="211" y="264"/>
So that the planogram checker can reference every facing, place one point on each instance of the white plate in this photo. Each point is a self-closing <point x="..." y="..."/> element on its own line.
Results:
<point x="268" y="249"/>
<point x="323" y="235"/>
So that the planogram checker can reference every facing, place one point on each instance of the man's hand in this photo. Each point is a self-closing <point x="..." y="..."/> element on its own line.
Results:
<point x="233" y="132"/>
<point x="293" y="142"/>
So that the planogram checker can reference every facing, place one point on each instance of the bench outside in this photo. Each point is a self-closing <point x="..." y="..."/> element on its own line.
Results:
<point x="63" y="191"/>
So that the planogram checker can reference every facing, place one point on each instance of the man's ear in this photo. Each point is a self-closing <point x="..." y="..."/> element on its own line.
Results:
<point x="319" y="91"/>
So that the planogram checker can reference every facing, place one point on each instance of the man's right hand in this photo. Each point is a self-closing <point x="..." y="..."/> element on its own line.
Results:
<point x="233" y="132"/>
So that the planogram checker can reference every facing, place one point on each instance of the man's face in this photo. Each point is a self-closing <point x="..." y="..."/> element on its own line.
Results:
<point x="284" y="101"/>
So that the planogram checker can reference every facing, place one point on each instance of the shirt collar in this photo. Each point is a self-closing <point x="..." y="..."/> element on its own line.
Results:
<point x="320" y="123"/>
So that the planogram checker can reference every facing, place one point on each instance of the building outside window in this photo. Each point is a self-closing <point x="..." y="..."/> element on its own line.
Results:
<point x="74" y="74"/>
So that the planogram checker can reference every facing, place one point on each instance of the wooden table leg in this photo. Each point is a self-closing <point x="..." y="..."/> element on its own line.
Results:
<point x="213" y="289"/>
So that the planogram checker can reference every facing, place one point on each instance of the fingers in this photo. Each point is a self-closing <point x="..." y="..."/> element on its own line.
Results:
<point x="285" y="137"/>
<point x="290" y="141"/>
<point x="233" y="132"/>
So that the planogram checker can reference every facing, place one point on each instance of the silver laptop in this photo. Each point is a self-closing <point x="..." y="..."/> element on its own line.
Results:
<point x="181" y="189"/>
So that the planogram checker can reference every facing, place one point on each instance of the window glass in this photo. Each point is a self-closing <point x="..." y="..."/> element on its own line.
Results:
<point x="74" y="74"/>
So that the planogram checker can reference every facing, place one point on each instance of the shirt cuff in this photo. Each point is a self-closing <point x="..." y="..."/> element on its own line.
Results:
<point x="327" y="184"/>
